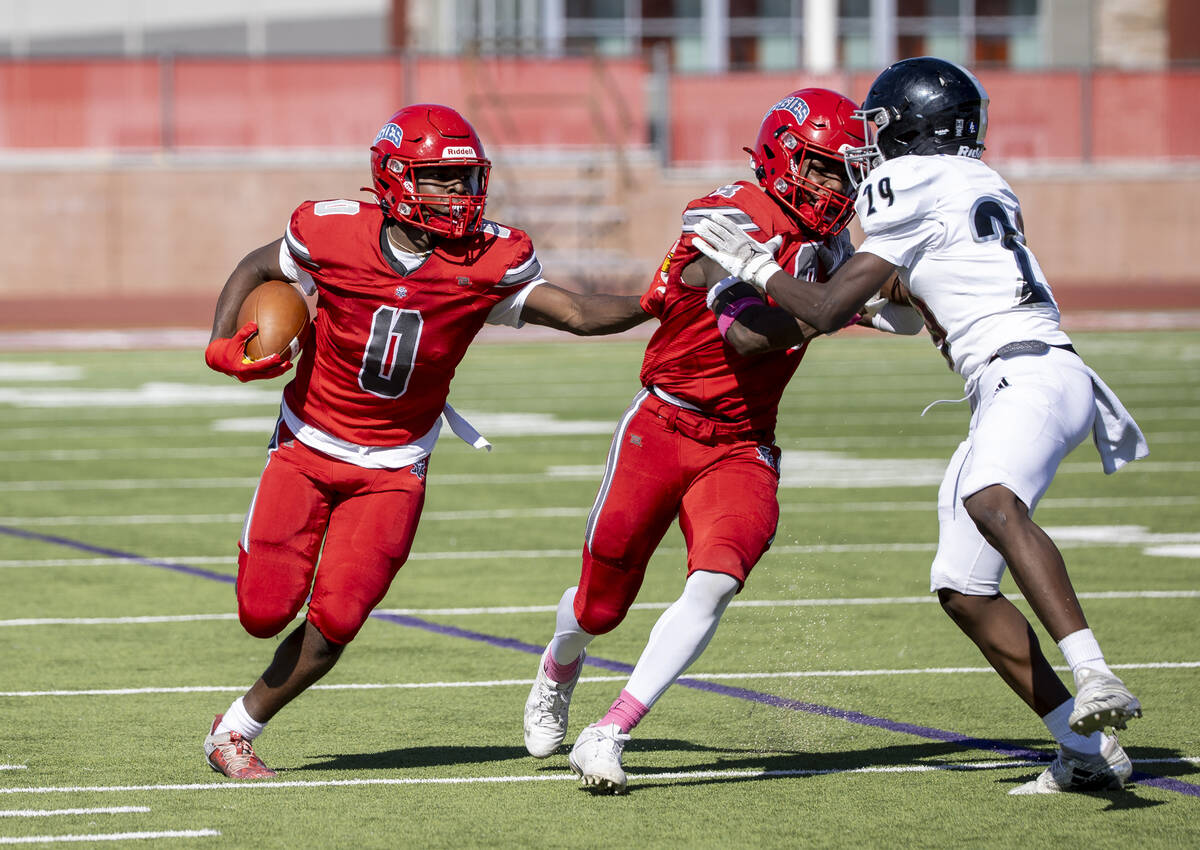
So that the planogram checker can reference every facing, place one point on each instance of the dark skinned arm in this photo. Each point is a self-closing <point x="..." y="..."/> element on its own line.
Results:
<point x="757" y="329"/>
<point x="582" y="315"/>
<point x="829" y="306"/>
<point x="259" y="266"/>
<point x="226" y="350"/>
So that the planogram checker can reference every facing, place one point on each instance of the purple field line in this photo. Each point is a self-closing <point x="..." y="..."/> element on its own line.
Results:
<point x="116" y="553"/>
<point x="760" y="697"/>
<point x="965" y="741"/>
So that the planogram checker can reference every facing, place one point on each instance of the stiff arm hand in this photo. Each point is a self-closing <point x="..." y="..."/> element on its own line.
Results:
<point x="720" y="239"/>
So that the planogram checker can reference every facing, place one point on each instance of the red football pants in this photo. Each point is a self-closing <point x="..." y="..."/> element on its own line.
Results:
<point x="664" y="462"/>
<point x="366" y="518"/>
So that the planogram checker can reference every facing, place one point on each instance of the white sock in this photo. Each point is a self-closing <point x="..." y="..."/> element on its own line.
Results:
<point x="237" y="719"/>
<point x="1080" y="649"/>
<point x="681" y="634"/>
<point x="1057" y="722"/>
<point x="569" y="637"/>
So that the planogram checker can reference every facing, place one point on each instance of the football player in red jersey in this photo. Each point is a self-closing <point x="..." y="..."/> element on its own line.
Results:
<point x="402" y="286"/>
<point x="698" y="440"/>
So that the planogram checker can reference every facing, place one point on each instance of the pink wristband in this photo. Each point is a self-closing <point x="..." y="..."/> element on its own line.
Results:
<point x="730" y="313"/>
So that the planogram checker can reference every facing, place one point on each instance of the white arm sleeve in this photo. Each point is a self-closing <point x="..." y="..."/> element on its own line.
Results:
<point x="293" y="271"/>
<point x="508" y="311"/>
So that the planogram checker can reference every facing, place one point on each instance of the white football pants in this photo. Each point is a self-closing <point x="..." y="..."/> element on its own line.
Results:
<point x="1029" y="413"/>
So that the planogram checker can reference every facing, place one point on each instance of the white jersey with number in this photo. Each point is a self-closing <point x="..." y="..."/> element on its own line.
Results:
<point x="953" y="226"/>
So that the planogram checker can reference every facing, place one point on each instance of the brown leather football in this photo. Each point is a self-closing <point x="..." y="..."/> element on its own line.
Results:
<point x="281" y="314"/>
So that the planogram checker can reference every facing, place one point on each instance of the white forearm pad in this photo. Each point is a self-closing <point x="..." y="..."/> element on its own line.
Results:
<point x="898" y="319"/>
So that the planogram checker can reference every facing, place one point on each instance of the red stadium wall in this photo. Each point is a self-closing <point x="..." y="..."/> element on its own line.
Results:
<point x="219" y="103"/>
<point x="232" y="103"/>
<point x="100" y="207"/>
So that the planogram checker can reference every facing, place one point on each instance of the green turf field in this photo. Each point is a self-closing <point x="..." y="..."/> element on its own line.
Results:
<point x="837" y="705"/>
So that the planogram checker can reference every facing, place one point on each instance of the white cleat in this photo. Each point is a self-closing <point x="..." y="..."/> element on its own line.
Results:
<point x="546" y="710"/>
<point x="1102" y="700"/>
<point x="596" y="758"/>
<point x="1072" y="771"/>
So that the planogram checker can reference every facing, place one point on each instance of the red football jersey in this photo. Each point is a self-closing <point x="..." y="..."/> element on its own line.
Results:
<point x="687" y="357"/>
<point x="385" y="342"/>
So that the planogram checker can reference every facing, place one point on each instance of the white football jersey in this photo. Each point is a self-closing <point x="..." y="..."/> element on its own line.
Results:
<point x="953" y="226"/>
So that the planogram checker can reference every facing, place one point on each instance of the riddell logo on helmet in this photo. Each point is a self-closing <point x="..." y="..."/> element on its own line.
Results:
<point x="465" y="152"/>
<point x="967" y="150"/>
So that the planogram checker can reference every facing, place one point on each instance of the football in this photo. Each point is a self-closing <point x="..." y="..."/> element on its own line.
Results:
<point x="281" y="314"/>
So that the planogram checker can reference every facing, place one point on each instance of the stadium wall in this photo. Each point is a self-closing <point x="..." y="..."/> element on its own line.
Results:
<point x="130" y="187"/>
<point x="153" y="244"/>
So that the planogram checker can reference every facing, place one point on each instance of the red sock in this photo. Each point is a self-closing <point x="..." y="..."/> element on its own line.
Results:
<point x="626" y="712"/>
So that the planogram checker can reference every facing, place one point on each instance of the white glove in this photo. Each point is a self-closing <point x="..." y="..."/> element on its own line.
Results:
<point x="871" y="309"/>
<point x="721" y="240"/>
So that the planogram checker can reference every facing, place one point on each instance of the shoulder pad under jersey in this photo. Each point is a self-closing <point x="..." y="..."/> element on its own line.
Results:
<point x="743" y="203"/>
<point x="901" y="190"/>
<point x="313" y="216"/>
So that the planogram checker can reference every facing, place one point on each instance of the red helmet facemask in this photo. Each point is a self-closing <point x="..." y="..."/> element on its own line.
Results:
<point x="805" y="124"/>
<point x="422" y="137"/>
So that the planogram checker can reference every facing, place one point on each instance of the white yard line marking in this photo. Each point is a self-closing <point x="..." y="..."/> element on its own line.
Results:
<point x="133" y="519"/>
<point x="173" y="394"/>
<point x="546" y="609"/>
<point x="49" y="813"/>
<point x="148" y="453"/>
<point x="107" y="432"/>
<point x="257" y="447"/>
<point x="553" y="777"/>
<point x="132" y="484"/>
<point x="504" y="683"/>
<point x="566" y="473"/>
<point x="14" y="767"/>
<point x="38" y="371"/>
<point x="193" y="561"/>
<point x="563" y="512"/>
<point x="111" y="836"/>
<point x="199" y="519"/>
<point x="117" y="621"/>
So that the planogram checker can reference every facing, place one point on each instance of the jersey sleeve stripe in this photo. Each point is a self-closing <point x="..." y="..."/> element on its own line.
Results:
<point x="527" y="272"/>
<point x="299" y="250"/>
<point x="693" y="217"/>
<point x="497" y="230"/>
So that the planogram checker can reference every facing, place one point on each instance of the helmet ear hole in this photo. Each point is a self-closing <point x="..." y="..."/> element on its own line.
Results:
<point x="760" y="172"/>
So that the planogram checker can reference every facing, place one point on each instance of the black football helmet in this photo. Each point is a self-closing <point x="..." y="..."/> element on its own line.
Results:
<point x="923" y="106"/>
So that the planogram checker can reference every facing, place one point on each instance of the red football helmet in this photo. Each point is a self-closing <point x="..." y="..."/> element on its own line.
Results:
<point x="423" y="136"/>
<point x="804" y="123"/>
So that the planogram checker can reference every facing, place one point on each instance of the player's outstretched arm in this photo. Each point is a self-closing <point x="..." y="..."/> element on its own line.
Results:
<point x="226" y="347"/>
<point x="583" y="315"/>
<point x="826" y="307"/>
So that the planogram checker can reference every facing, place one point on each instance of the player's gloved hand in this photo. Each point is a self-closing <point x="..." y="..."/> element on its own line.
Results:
<point x="722" y="241"/>
<point x="819" y="260"/>
<point x="229" y="356"/>
<point x="871" y="309"/>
